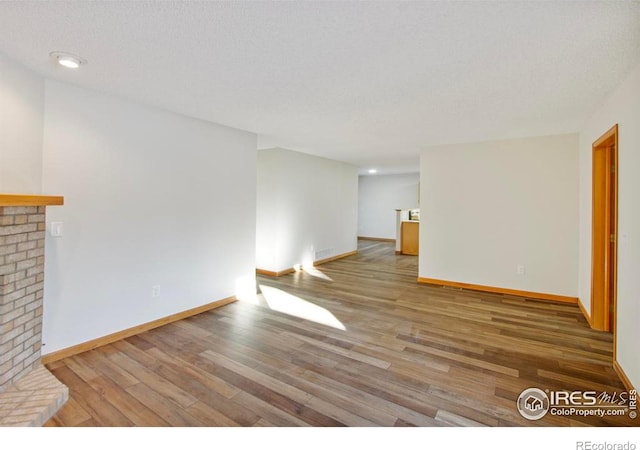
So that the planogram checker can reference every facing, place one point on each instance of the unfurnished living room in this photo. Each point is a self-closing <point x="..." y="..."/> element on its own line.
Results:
<point x="322" y="214"/>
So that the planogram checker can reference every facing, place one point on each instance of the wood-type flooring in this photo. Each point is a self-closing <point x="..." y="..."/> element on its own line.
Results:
<point x="374" y="348"/>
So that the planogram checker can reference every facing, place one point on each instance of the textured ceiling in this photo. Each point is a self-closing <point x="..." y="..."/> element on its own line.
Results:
<point x="364" y="82"/>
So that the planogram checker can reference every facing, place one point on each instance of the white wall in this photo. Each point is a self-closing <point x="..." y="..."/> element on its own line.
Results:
<point x="21" y="118"/>
<point x="487" y="207"/>
<point x="307" y="209"/>
<point x="151" y="198"/>
<point x="621" y="107"/>
<point x="268" y="229"/>
<point x="378" y="198"/>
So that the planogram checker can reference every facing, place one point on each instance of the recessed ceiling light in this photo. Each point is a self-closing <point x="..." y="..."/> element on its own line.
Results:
<point x="373" y="171"/>
<point x="68" y="60"/>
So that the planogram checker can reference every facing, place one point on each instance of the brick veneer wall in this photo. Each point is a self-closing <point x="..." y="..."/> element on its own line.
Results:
<point x="22" y="232"/>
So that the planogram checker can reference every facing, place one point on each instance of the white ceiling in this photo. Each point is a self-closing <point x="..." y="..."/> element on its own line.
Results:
<point x="364" y="82"/>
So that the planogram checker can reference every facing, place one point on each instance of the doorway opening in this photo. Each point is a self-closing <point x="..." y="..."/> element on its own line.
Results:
<point x="604" y="231"/>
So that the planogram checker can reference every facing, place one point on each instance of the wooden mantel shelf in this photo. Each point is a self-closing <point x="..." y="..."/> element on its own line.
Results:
<point x="30" y="200"/>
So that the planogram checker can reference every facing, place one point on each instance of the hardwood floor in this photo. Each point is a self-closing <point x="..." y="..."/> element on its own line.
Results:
<point x="409" y="355"/>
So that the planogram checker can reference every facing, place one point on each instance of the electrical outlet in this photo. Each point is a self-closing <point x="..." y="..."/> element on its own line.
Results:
<point x="155" y="291"/>
<point x="520" y="269"/>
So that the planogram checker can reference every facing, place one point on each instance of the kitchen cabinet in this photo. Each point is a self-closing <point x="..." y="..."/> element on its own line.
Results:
<point x="410" y="237"/>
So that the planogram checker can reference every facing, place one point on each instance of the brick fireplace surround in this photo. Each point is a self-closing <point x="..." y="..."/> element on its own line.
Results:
<point x="29" y="394"/>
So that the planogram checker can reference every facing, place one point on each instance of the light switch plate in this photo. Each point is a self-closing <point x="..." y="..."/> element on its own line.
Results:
<point x="56" y="229"/>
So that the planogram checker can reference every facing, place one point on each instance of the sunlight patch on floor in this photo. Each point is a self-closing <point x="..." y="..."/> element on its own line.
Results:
<point x="281" y="301"/>
<point x="316" y="273"/>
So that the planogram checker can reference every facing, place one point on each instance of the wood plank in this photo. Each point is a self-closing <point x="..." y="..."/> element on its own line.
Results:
<point x="456" y="420"/>
<point x="153" y="381"/>
<point x="164" y="407"/>
<point x="209" y="416"/>
<point x="101" y="411"/>
<point x="70" y="415"/>
<point x="208" y="381"/>
<point x="263" y="423"/>
<point x="347" y="409"/>
<point x="81" y="369"/>
<point x="101" y="364"/>
<point x="30" y="200"/>
<point x="341" y="351"/>
<point x="267" y="411"/>
<point x="286" y="397"/>
<point x="290" y="392"/>
<point x="135" y="411"/>
<point x="374" y="403"/>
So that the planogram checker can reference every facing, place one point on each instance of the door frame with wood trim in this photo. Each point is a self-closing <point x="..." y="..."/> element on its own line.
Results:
<point x="604" y="245"/>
